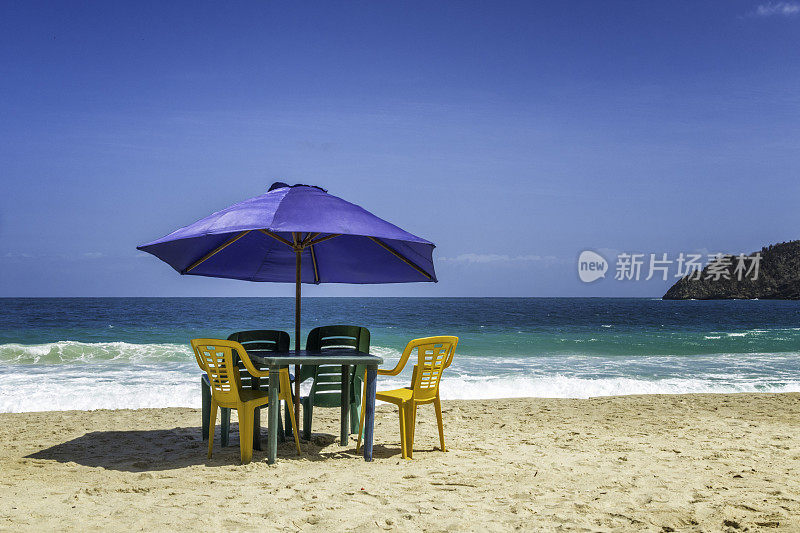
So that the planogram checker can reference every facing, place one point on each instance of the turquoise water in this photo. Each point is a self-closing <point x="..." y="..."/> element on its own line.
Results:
<point x="132" y="352"/>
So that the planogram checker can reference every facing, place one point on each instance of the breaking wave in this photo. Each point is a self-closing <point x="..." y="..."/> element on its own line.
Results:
<point x="69" y="375"/>
<point x="91" y="352"/>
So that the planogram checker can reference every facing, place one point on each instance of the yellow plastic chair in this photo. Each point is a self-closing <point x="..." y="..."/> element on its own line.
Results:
<point x="434" y="354"/>
<point x="216" y="358"/>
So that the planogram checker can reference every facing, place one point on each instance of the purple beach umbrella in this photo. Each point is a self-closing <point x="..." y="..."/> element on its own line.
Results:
<point x="297" y="234"/>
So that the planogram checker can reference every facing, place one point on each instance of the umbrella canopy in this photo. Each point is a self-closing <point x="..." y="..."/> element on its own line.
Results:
<point x="261" y="239"/>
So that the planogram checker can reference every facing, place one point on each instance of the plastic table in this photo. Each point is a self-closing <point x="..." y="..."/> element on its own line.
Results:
<point x="346" y="357"/>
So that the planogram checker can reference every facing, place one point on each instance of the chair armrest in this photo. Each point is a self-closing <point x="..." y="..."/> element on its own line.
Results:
<point x="248" y="364"/>
<point x="400" y="364"/>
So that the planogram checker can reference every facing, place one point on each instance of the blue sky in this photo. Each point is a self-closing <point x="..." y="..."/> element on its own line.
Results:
<point x="513" y="135"/>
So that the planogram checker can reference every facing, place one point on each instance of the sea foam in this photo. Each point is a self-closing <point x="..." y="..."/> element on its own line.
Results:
<point x="70" y="375"/>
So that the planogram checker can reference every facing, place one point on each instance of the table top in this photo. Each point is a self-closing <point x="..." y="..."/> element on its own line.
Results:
<point x="336" y="356"/>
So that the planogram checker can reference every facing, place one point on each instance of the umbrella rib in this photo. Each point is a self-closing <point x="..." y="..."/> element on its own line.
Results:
<point x="276" y="237"/>
<point x="215" y="251"/>
<point x="308" y="238"/>
<point x="314" y="262"/>
<point x="323" y="239"/>
<point x="400" y="256"/>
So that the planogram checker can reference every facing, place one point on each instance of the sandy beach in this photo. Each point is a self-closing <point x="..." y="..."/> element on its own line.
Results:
<point x="631" y="463"/>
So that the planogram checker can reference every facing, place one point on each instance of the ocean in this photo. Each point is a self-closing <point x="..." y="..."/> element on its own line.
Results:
<point x="113" y="353"/>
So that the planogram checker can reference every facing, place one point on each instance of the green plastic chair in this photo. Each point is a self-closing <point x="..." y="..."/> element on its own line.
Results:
<point x="326" y="390"/>
<point x="264" y="340"/>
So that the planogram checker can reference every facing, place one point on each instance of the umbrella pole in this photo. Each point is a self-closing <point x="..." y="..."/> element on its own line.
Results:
<point x="297" y="334"/>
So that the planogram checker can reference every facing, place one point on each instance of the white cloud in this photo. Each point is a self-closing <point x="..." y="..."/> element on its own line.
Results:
<point x="496" y="258"/>
<point x="780" y="9"/>
<point x="477" y="258"/>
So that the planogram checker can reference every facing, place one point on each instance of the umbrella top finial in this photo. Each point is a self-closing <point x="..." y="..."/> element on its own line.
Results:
<point x="281" y="185"/>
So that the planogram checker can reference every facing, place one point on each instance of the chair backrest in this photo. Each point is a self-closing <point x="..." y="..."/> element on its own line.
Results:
<point x="326" y="390"/>
<point x="326" y="337"/>
<point x="266" y="340"/>
<point x="434" y="354"/>
<point x="216" y="357"/>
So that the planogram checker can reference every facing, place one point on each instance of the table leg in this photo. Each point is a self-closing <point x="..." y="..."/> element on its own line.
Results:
<point x="254" y="383"/>
<point x="369" y="410"/>
<point x="296" y="394"/>
<point x="272" y="414"/>
<point x="205" y="393"/>
<point x="345" y="410"/>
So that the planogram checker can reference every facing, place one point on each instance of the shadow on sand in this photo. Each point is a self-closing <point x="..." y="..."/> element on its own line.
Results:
<point x="169" y="449"/>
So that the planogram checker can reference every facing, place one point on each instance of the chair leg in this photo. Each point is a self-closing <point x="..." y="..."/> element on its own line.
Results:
<point x="437" y="403"/>
<point x="245" y="433"/>
<point x="402" y="411"/>
<point x="355" y="416"/>
<point x="287" y="428"/>
<point x="225" y="426"/>
<point x="205" y="394"/>
<point x="281" y="434"/>
<point x="257" y="445"/>
<point x="286" y="393"/>
<point x="294" y="427"/>
<point x="308" y="411"/>
<point x="212" y="421"/>
<point x="411" y="420"/>
<point x="361" y="417"/>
